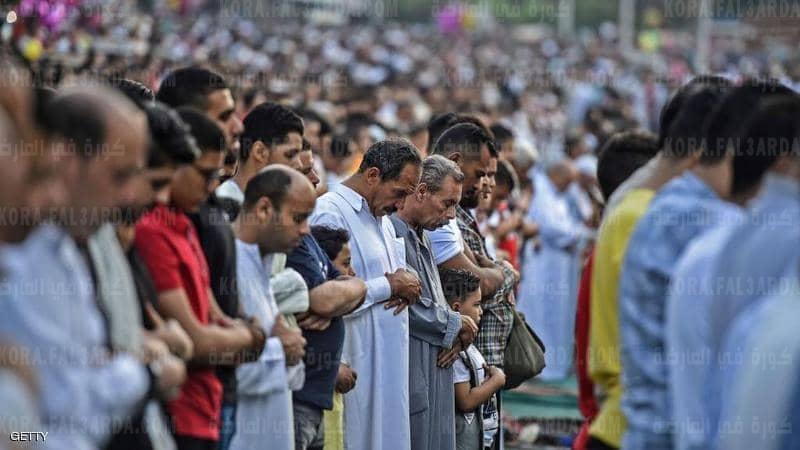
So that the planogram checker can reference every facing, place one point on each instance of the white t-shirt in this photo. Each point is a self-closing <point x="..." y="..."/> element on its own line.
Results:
<point x="461" y="374"/>
<point x="446" y="242"/>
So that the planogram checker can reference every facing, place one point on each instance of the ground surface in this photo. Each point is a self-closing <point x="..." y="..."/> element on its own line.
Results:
<point x="553" y="407"/>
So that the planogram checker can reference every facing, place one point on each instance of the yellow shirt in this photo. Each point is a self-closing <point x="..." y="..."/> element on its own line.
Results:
<point x="604" y="352"/>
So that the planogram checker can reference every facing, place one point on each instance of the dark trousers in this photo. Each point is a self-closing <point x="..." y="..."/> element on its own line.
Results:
<point x="597" y="444"/>
<point x="228" y="428"/>
<point x="193" y="443"/>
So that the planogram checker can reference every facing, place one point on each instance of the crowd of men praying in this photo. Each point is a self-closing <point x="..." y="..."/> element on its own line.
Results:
<point x="178" y="271"/>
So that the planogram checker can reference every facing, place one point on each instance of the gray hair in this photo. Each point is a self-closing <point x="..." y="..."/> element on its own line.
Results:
<point x="436" y="168"/>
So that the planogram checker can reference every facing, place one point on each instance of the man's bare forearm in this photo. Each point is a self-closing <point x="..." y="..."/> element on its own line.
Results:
<point x="336" y="298"/>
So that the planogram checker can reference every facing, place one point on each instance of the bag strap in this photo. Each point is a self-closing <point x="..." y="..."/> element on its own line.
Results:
<point x="473" y="373"/>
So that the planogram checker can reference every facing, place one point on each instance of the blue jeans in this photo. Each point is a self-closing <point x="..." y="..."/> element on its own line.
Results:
<point x="228" y="428"/>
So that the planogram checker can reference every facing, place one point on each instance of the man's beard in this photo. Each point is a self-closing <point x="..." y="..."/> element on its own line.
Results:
<point x="470" y="201"/>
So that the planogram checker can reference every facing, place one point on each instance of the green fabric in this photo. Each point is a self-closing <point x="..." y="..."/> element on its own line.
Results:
<point x="554" y="400"/>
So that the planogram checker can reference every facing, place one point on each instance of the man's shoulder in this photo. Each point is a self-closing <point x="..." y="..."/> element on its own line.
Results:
<point x="446" y="232"/>
<point x="400" y="227"/>
<point x="152" y="224"/>
<point x="328" y="202"/>
<point x="623" y="217"/>
<point x="306" y="249"/>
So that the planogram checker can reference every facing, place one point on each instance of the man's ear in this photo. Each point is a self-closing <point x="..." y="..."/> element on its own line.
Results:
<point x="264" y="209"/>
<point x="422" y="189"/>
<point x="373" y="176"/>
<point x="260" y="152"/>
<point x="456" y="306"/>
<point x="456" y="157"/>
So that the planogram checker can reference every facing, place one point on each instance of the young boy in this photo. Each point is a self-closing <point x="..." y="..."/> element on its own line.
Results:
<point x="475" y="383"/>
<point x="334" y="244"/>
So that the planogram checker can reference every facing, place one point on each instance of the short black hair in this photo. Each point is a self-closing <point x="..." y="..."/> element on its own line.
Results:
<point x="171" y="141"/>
<point x="458" y="283"/>
<point x="726" y="122"/>
<point x="331" y="240"/>
<point x="772" y="131"/>
<point x="273" y="182"/>
<point x="621" y="155"/>
<point x="675" y="104"/>
<point x="390" y="156"/>
<point x="501" y="134"/>
<point x="686" y="133"/>
<point x="506" y="176"/>
<point x="190" y="86"/>
<point x="469" y="118"/>
<point x="269" y="123"/>
<point x="79" y="121"/>
<point x="206" y="132"/>
<point x="437" y="125"/>
<point x="464" y="138"/>
<point x="137" y="92"/>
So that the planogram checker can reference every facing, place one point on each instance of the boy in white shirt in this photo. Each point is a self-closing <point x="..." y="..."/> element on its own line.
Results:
<point x="476" y="384"/>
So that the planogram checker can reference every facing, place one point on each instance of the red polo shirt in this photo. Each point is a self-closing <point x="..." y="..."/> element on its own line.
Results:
<point x="167" y="242"/>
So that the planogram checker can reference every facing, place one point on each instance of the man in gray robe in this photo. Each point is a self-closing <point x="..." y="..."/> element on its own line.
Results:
<point x="436" y="332"/>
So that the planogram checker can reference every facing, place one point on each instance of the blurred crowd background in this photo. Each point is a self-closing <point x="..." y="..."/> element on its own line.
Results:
<point x="552" y="79"/>
<point x="555" y="71"/>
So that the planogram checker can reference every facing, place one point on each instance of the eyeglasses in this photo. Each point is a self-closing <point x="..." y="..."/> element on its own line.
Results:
<point x="210" y="175"/>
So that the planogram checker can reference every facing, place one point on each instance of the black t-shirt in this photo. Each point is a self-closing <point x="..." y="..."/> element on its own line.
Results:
<point x="323" y="348"/>
<point x="219" y="246"/>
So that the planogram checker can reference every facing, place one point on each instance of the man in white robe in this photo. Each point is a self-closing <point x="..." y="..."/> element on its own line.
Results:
<point x="549" y="287"/>
<point x="376" y="340"/>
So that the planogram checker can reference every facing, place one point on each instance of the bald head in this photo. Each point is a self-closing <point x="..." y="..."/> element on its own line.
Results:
<point x="277" y="204"/>
<point x="562" y="173"/>
<point x="94" y="121"/>
<point x="274" y="182"/>
<point x="104" y="138"/>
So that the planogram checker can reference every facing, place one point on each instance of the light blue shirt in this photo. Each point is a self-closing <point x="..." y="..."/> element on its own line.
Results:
<point x="263" y="397"/>
<point x="722" y="272"/>
<point x="680" y="211"/>
<point x="49" y="309"/>
<point x="446" y="242"/>
<point x="760" y="406"/>
<point x="376" y="341"/>
<point x="687" y="336"/>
